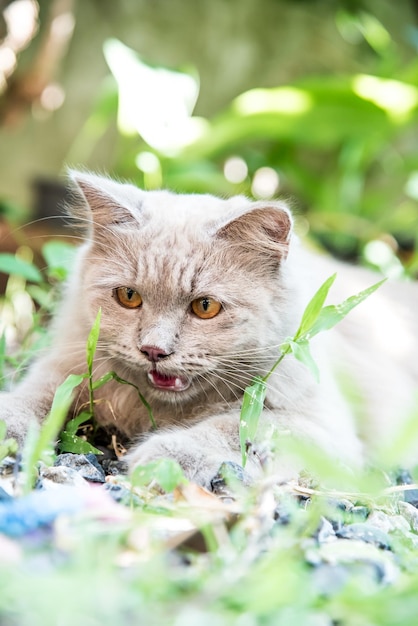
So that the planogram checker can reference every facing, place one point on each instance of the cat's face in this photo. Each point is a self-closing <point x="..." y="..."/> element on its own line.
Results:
<point x="189" y="288"/>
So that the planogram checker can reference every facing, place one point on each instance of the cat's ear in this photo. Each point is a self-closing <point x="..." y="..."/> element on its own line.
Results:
<point x="108" y="202"/>
<point x="261" y="227"/>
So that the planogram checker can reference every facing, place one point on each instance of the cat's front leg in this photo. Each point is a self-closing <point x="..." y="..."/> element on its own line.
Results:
<point x="18" y="412"/>
<point x="200" y="450"/>
<point x="32" y="399"/>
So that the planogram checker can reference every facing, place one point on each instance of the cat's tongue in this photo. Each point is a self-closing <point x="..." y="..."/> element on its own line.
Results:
<point x="170" y="383"/>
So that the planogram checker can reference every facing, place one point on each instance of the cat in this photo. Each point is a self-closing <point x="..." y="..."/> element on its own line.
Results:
<point x="197" y="293"/>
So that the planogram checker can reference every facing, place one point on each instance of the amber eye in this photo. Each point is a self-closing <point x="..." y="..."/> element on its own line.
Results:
<point x="206" y="308"/>
<point x="128" y="297"/>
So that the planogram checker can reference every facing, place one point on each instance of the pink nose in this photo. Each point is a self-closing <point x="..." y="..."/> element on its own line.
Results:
<point x="153" y="353"/>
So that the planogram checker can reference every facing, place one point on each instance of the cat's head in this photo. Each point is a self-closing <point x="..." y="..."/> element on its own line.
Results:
<point x="190" y="286"/>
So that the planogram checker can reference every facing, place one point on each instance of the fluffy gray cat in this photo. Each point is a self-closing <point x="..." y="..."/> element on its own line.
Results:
<point x="197" y="294"/>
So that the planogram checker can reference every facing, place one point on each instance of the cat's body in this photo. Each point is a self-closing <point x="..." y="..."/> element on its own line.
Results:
<point x="197" y="294"/>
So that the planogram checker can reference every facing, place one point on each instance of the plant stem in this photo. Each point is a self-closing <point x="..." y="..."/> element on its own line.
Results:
<point x="279" y="360"/>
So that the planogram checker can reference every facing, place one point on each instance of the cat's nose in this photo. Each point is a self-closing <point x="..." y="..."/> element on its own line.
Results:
<point x="154" y="353"/>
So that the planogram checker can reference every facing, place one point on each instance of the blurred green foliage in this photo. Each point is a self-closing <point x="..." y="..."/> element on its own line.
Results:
<point x="341" y="148"/>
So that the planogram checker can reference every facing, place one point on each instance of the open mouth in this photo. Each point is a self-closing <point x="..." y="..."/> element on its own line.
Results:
<point x="167" y="383"/>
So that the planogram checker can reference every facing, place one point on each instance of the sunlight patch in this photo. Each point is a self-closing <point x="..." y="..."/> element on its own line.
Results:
<point x="396" y="98"/>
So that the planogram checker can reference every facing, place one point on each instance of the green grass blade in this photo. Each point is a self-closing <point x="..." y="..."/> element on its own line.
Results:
<point x="252" y="407"/>
<point x="51" y="427"/>
<point x="113" y="376"/>
<point x="333" y="314"/>
<point x="73" y="425"/>
<point x="314" y="307"/>
<point x="301" y="351"/>
<point x="92" y="341"/>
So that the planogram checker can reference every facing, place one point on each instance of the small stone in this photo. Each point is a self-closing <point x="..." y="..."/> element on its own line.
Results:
<point x="325" y="531"/>
<point x="338" y="511"/>
<point x="403" y="477"/>
<point x="228" y="474"/>
<point x="122" y="495"/>
<point x="8" y="466"/>
<point x="282" y="514"/>
<point x="411" y="496"/>
<point x="410" y="513"/>
<point x="388" y="523"/>
<point x="361" y="512"/>
<point x="358" y="557"/>
<point x="52" y="477"/>
<point x="86" y="464"/>
<point x="114" y="467"/>
<point x="329" y="579"/>
<point x="341" y="504"/>
<point x="366" y="533"/>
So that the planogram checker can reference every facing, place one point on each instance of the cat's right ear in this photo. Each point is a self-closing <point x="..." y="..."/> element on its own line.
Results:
<point x="265" y="227"/>
<point x="100" y="201"/>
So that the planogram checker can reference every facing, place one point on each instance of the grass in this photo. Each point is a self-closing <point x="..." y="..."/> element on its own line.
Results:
<point x="174" y="554"/>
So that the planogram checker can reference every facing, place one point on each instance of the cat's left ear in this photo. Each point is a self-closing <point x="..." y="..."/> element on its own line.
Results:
<point x="266" y="227"/>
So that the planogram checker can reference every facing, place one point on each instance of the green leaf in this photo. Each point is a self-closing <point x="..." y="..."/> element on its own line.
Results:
<point x="313" y="309"/>
<point x="105" y="379"/>
<point x="113" y="376"/>
<point x="252" y="407"/>
<point x="166" y="472"/>
<point x="92" y="341"/>
<point x="36" y="445"/>
<point x="302" y="353"/>
<point x="333" y="314"/>
<point x="73" y="425"/>
<point x="59" y="257"/>
<point x="73" y="443"/>
<point x="10" y="264"/>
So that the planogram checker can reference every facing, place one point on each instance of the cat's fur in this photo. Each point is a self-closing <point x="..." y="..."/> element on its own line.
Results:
<point x="173" y="249"/>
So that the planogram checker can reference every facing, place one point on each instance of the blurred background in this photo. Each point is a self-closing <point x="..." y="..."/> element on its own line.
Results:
<point x="312" y="100"/>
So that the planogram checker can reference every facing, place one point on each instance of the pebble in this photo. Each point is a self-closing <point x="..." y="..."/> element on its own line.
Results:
<point x="113" y="467"/>
<point x="86" y="464"/>
<point x="403" y="477"/>
<point x="122" y="495"/>
<point x="8" y="466"/>
<point x="229" y="473"/>
<point x="388" y="523"/>
<point x="364" y="557"/>
<point x="325" y="531"/>
<point x="410" y="513"/>
<point x="282" y="514"/>
<point x="361" y="512"/>
<point x="51" y="477"/>
<point x="365" y="532"/>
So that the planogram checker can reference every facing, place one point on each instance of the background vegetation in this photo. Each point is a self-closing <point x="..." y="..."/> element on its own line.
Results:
<point x="313" y="100"/>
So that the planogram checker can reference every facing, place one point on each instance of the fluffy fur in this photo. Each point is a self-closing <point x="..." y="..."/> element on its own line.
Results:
<point x="173" y="249"/>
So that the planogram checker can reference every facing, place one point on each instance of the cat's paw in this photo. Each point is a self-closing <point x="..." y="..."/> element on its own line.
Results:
<point x="199" y="463"/>
<point x="17" y="415"/>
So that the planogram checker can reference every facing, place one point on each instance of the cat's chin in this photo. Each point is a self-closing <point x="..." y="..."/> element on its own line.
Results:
<point x="163" y="382"/>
